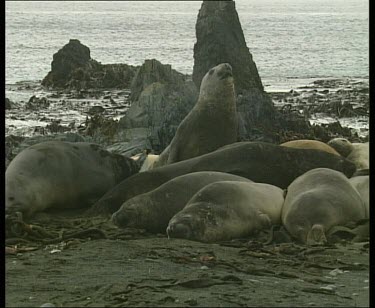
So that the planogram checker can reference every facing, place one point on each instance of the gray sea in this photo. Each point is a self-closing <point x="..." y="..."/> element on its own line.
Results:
<point x="291" y="41"/>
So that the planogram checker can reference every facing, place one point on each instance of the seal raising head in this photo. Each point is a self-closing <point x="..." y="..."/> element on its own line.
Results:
<point x="211" y="124"/>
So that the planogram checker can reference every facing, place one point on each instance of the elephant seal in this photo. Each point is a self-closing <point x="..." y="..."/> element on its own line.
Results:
<point x="257" y="161"/>
<point x="341" y="145"/>
<point x="149" y="162"/>
<point x="153" y="210"/>
<point x="60" y="175"/>
<point x="362" y="184"/>
<point x="310" y="144"/>
<point x="211" y="123"/>
<point x="360" y="155"/>
<point x="317" y="201"/>
<point x="226" y="210"/>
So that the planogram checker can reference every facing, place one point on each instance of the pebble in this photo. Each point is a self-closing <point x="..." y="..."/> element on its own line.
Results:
<point x="48" y="305"/>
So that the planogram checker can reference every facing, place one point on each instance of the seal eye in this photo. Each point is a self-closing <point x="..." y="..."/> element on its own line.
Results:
<point x="211" y="71"/>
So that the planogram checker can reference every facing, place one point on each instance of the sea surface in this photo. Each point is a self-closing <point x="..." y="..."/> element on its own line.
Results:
<point x="292" y="41"/>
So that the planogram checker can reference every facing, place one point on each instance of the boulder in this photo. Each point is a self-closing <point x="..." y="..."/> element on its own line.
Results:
<point x="36" y="103"/>
<point x="73" y="68"/>
<point x="220" y="39"/>
<point x="8" y="104"/>
<point x="161" y="98"/>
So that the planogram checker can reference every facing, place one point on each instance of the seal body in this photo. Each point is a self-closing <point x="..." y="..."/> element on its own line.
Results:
<point x="226" y="210"/>
<point x="360" y="155"/>
<point x="257" y="161"/>
<point x="317" y="201"/>
<point x="211" y="123"/>
<point x="61" y="175"/>
<point x="310" y="144"/>
<point x="362" y="184"/>
<point x="149" y="162"/>
<point x="341" y="145"/>
<point x="153" y="210"/>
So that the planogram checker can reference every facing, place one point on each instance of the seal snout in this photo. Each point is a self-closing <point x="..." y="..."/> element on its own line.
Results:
<point x="119" y="220"/>
<point x="178" y="230"/>
<point x="225" y="71"/>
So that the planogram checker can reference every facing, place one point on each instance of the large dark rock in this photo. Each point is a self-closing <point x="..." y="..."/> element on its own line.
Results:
<point x="153" y="71"/>
<point x="161" y="98"/>
<point x="73" y="68"/>
<point x="220" y="39"/>
<point x="8" y="104"/>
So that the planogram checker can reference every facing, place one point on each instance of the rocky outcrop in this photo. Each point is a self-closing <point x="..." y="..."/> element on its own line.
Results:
<point x="8" y="104"/>
<point x="36" y="103"/>
<point x="161" y="98"/>
<point x="220" y="39"/>
<point x="73" y="68"/>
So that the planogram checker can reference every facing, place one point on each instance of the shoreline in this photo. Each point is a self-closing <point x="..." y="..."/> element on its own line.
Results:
<point x="68" y="106"/>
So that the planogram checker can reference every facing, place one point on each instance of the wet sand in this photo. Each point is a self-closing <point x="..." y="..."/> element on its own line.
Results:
<point x="132" y="268"/>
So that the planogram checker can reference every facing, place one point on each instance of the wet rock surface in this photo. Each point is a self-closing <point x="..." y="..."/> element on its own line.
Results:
<point x="103" y="116"/>
<point x="161" y="98"/>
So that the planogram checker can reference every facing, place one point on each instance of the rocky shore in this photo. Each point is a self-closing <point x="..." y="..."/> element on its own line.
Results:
<point x="332" y="108"/>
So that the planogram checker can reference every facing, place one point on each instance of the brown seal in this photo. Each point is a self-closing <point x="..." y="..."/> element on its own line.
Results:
<point x="153" y="210"/>
<point x="310" y="144"/>
<point x="258" y="161"/>
<point x="226" y="210"/>
<point x="211" y="123"/>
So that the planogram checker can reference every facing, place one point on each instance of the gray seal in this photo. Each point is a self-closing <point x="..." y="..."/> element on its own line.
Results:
<point x="58" y="174"/>
<point x="362" y="184"/>
<point x="211" y="123"/>
<point x="360" y="155"/>
<point x="317" y="201"/>
<point x="226" y="210"/>
<point x="258" y="161"/>
<point x="153" y="210"/>
<point x="341" y="145"/>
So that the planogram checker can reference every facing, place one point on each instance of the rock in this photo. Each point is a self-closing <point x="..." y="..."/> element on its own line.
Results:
<point x="100" y="129"/>
<point x="66" y="61"/>
<point x="153" y="71"/>
<point x="220" y="39"/>
<point x="73" y="68"/>
<point x="130" y="148"/>
<point x="8" y="104"/>
<point x="96" y="110"/>
<point x="35" y="103"/>
<point x="55" y="127"/>
<point x="161" y="98"/>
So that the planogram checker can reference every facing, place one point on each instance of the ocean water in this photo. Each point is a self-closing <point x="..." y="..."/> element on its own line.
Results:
<point x="291" y="41"/>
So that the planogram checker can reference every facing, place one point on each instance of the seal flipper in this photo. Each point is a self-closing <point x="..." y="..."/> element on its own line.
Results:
<point x="265" y="221"/>
<point x="316" y="235"/>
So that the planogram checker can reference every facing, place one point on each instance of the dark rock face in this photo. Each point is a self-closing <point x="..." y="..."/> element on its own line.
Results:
<point x="220" y="39"/>
<point x="36" y="103"/>
<point x="161" y="98"/>
<point x="8" y="104"/>
<point x="73" y="68"/>
<point x="153" y="71"/>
